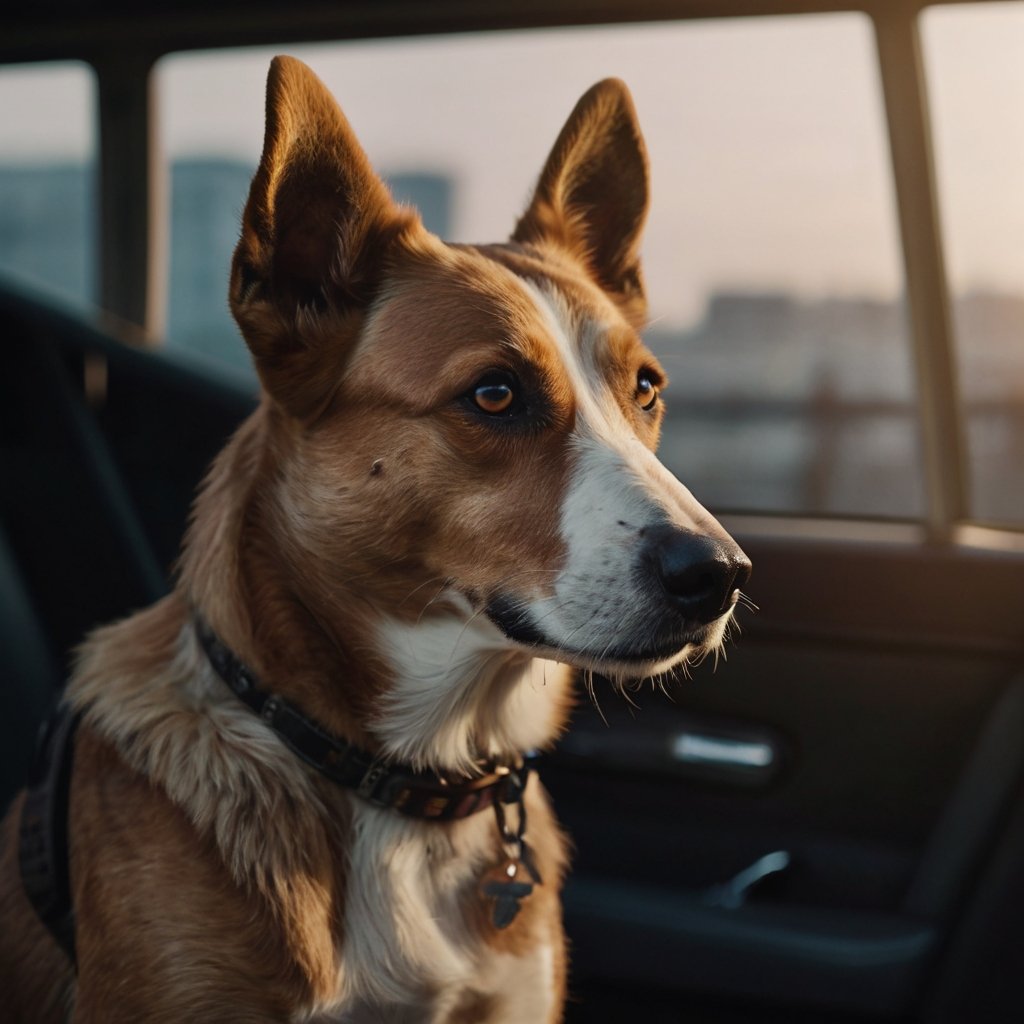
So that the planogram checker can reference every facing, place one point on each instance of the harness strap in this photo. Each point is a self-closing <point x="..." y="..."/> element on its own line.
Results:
<point x="43" y="836"/>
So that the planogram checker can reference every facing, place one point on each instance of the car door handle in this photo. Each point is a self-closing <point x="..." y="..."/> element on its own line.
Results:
<point x="691" y="747"/>
<point x="716" y="750"/>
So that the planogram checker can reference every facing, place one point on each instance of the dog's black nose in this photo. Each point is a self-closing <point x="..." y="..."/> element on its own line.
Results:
<point x="699" y="573"/>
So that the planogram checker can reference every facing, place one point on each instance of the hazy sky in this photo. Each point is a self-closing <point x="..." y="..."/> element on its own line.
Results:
<point x="767" y="140"/>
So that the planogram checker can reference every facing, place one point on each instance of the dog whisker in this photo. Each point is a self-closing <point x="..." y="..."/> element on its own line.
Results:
<point x="462" y="632"/>
<point x="426" y="583"/>
<point x="430" y="604"/>
<point x="588" y="676"/>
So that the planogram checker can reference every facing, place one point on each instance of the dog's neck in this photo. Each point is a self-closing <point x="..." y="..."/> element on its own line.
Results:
<point x="235" y="574"/>
<point x="436" y="688"/>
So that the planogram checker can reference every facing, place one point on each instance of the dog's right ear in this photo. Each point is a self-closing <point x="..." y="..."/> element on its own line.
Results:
<point x="317" y="231"/>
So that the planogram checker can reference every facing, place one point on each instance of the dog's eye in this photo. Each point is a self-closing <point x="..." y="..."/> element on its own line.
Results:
<point x="646" y="391"/>
<point x="495" y="393"/>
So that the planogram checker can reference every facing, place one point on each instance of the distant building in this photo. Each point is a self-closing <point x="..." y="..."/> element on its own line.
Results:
<point x="748" y="314"/>
<point x="48" y="229"/>
<point x="207" y="197"/>
<point x="48" y="239"/>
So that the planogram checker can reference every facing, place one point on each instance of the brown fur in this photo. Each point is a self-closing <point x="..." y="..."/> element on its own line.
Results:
<point x="210" y="868"/>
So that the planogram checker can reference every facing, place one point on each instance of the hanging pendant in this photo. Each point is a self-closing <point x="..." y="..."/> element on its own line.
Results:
<point x="507" y="884"/>
<point x="504" y="887"/>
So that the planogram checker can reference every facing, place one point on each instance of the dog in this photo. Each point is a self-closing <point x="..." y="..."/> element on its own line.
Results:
<point x="301" y="786"/>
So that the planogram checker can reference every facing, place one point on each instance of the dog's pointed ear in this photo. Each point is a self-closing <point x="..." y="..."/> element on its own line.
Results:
<point x="592" y="195"/>
<point x="317" y="232"/>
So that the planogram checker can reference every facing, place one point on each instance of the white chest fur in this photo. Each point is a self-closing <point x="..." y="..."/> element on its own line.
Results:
<point x="408" y="953"/>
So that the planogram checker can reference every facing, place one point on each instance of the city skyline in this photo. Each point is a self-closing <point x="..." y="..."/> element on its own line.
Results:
<point x="794" y="403"/>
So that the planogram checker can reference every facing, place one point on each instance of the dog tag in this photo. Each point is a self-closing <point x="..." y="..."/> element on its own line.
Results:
<point x="504" y="889"/>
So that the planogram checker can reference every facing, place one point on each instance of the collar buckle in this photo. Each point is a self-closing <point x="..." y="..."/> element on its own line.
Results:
<point x="376" y="778"/>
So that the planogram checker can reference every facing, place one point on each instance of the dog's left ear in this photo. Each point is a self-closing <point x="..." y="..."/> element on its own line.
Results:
<point x="592" y="195"/>
<point x="318" y="230"/>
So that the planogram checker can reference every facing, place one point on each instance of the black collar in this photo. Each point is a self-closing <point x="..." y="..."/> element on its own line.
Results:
<point x="413" y="793"/>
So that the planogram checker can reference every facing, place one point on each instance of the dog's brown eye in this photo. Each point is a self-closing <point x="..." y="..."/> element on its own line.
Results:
<point x="646" y="392"/>
<point x="495" y="394"/>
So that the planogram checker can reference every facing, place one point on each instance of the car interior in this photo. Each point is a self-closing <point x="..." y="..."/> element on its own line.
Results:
<point x="827" y="824"/>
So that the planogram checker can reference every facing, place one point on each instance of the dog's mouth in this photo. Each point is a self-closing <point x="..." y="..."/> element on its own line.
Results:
<point x="666" y="645"/>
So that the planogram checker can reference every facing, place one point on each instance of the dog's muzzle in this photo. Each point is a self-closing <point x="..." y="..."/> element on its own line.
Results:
<point x="681" y="582"/>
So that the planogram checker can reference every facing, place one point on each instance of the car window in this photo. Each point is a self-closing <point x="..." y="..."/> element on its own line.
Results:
<point x="975" y="63"/>
<point x="47" y="180"/>
<point x="771" y="252"/>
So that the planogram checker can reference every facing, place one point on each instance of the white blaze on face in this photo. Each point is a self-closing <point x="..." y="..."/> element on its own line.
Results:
<point x="602" y="606"/>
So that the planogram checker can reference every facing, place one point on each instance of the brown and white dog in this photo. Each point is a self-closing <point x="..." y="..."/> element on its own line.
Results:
<point x="447" y="495"/>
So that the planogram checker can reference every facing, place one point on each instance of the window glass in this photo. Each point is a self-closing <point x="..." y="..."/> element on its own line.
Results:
<point x="975" y="62"/>
<point x="771" y="255"/>
<point x="47" y="160"/>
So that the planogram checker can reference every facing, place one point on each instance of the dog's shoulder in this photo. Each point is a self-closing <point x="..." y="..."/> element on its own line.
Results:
<point x="190" y="819"/>
<point x="157" y="905"/>
<point x="144" y="687"/>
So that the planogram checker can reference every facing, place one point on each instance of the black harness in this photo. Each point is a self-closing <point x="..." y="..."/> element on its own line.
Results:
<point x="43" y="837"/>
<point x="43" y="852"/>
